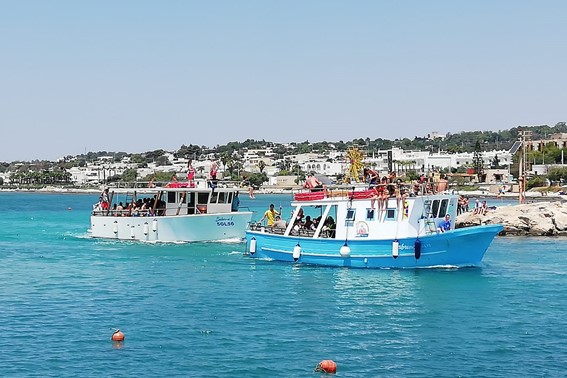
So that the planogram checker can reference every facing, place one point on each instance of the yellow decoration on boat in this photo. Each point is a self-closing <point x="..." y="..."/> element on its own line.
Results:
<point x="355" y="160"/>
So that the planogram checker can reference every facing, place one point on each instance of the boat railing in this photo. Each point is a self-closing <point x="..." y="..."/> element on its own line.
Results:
<point x="362" y="191"/>
<point x="128" y="213"/>
<point x="301" y="232"/>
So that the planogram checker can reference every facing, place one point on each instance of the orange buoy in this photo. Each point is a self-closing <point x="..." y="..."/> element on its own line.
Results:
<point x="118" y="335"/>
<point x="327" y="366"/>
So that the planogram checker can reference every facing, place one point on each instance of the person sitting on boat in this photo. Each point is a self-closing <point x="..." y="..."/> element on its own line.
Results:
<point x="270" y="214"/>
<point x="370" y="176"/>
<point x="308" y="225"/>
<point x="445" y="224"/>
<point x="383" y="200"/>
<point x="97" y="206"/>
<point x="279" y="222"/>
<point x="120" y="209"/>
<point x="329" y="227"/>
<point x="299" y="216"/>
<point x="313" y="183"/>
<point x="376" y="195"/>
<point x="173" y="183"/>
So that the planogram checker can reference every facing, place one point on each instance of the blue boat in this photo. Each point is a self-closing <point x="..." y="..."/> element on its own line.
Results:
<point x="357" y="228"/>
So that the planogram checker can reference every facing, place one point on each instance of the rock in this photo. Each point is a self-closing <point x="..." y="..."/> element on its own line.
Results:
<point x="534" y="219"/>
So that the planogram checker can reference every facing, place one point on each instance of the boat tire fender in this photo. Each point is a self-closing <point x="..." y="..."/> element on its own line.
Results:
<point x="395" y="248"/>
<point x="417" y="248"/>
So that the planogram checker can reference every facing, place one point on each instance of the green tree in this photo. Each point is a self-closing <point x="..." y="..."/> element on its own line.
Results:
<point x="557" y="174"/>
<point x="257" y="179"/>
<point x="129" y="175"/>
<point x="261" y="166"/>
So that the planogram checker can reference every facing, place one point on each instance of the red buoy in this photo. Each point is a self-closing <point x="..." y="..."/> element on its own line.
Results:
<point x="327" y="366"/>
<point x="118" y="335"/>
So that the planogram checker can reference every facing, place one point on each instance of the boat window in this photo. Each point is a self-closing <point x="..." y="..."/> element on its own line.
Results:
<point x="435" y="209"/>
<point x="190" y="203"/>
<point x="203" y="198"/>
<point x="222" y="197"/>
<point x="390" y="214"/>
<point x="427" y="207"/>
<point x="443" y="207"/>
<point x="370" y="214"/>
<point x="171" y="197"/>
<point x="350" y="215"/>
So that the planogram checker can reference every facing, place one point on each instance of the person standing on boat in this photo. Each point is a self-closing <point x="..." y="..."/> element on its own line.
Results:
<point x="235" y="202"/>
<point x="213" y="175"/>
<point x="270" y="214"/>
<point x="190" y="174"/>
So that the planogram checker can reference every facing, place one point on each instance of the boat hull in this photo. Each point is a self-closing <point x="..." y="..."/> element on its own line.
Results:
<point x="459" y="248"/>
<point x="180" y="228"/>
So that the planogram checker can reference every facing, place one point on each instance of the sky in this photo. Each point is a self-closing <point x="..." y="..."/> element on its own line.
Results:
<point x="137" y="75"/>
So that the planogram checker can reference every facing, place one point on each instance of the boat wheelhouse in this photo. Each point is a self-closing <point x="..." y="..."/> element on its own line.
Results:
<point x="170" y="214"/>
<point x="403" y="232"/>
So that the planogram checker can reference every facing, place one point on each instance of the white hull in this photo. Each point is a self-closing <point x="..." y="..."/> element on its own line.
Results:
<point x="180" y="228"/>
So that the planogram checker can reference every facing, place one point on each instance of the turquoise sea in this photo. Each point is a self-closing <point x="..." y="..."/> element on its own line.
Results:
<point x="205" y="310"/>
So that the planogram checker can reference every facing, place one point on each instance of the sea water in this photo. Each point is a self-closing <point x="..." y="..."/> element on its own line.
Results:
<point x="206" y="310"/>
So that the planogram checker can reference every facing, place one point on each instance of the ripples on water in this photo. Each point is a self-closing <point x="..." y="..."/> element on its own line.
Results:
<point x="205" y="310"/>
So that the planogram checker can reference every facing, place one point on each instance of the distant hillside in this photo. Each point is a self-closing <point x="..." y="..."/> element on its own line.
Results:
<point x="459" y="142"/>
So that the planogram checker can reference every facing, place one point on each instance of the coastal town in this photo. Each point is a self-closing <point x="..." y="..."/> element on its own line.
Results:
<point x="271" y="168"/>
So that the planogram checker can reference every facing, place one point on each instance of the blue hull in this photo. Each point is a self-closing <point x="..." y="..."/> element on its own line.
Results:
<point x="461" y="247"/>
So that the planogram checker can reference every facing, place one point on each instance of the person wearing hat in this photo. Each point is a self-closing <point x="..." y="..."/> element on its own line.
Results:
<point x="270" y="214"/>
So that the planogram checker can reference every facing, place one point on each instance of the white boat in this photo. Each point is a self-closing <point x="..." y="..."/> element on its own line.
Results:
<point x="402" y="232"/>
<point x="175" y="213"/>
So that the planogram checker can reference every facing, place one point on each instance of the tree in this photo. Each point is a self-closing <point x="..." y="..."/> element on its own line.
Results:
<point x="261" y="166"/>
<point x="557" y="174"/>
<point x="129" y="175"/>
<point x="495" y="162"/>
<point x="257" y="179"/>
<point x="226" y="160"/>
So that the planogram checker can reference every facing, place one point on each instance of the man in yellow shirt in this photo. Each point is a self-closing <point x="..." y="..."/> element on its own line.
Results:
<point x="270" y="214"/>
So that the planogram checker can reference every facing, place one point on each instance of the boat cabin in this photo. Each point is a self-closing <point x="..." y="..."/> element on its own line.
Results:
<point x="166" y="202"/>
<point x="351" y="215"/>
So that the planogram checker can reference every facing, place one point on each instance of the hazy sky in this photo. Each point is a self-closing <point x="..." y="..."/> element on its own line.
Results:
<point x="138" y="75"/>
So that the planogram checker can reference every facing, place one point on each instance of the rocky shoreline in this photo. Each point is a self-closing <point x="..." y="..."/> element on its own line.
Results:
<point x="533" y="219"/>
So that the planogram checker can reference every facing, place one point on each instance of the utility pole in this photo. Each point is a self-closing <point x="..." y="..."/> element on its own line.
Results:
<point x="523" y="179"/>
